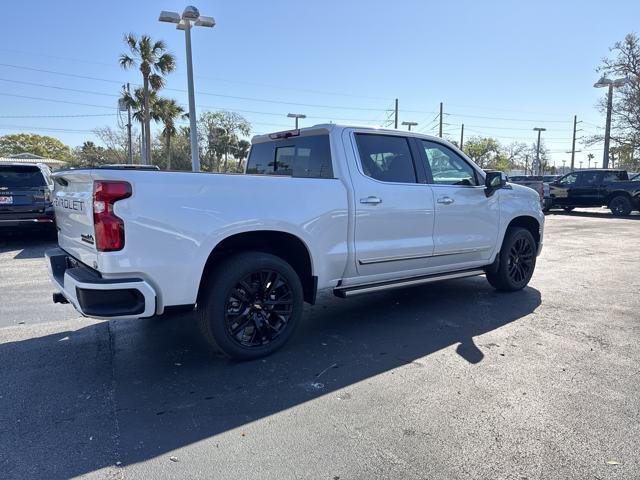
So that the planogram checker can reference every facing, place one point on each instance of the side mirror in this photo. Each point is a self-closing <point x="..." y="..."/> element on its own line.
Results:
<point x="494" y="181"/>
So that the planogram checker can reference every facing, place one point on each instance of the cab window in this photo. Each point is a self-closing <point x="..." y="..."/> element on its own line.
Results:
<point x="568" y="180"/>
<point x="610" y="177"/>
<point x="588" y="179"/>
<point x="447" y="167"/>
<point x="386" y="158"/>
<point x="301" y="157"/>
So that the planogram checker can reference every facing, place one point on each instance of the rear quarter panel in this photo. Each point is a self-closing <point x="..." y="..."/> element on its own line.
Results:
<point x="174" y="220"/>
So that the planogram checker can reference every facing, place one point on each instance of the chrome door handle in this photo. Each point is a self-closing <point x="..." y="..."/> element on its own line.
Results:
<point x="371" y="200"/>
<point x="446" y="200"/>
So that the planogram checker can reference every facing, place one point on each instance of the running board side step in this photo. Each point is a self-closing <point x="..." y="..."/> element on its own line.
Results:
<point x="351" y="291"/>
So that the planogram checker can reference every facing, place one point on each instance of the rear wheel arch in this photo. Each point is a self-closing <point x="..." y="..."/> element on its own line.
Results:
<point x="617" y="193"/>
<point x="285" y="245"/>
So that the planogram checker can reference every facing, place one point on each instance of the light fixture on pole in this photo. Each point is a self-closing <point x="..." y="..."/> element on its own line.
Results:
<point x="190" y="17"/>
<point x="611" y="84"/>
<point x="296" y="116"/>
<point x="539" y="130"/>
<point x="409" y="125"/>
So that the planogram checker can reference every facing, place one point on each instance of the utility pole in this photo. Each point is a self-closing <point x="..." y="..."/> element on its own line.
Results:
<point x="129" y="128"/>
<point x="563" y="164"/>
<point x="440" y="128"/>
<point x="395" y="115"/>
<point x="526" y="164"/>
<point x="607" y="130"/>
<point x="573" y="142"/>
<point x="538" y="166"/>
<point x="462" y="136"/>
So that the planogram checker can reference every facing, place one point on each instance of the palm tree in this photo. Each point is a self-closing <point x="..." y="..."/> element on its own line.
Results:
<point x="167" y="110"/>
<point x="135" y="101"/>
<point x="154" y="62"/>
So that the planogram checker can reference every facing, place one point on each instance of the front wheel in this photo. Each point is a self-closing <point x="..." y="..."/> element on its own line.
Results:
<point x="620" y="206"/>
<point x="516" y="261"/>
<point x="251" y="305"/>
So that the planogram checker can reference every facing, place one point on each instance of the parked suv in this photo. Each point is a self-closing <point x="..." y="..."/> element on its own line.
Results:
<point x="25" y="195"/>
<point x="596" y="188"/>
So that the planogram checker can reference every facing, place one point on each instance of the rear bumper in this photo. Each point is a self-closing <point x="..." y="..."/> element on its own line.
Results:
<point x="97" y="297"/>
<point x="34" y="219"/>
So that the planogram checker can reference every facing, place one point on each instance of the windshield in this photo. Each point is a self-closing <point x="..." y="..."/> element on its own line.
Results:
<point x="21" y="176"/>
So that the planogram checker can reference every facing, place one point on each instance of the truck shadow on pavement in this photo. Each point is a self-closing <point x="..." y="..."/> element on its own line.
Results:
<point x="78" y="401"/>
<point x="31" y="243"/>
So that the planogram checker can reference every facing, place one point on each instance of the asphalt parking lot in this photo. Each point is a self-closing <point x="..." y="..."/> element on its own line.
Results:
<point x="446" y="381"/>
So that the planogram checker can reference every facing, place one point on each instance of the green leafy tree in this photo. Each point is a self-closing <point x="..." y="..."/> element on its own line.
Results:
<point x="154" y="62"/>
<point x="485" y="152"/>
<point x="41" y="145"/>
<point x="624" y="61"/>
<point x="220" y="133"/>
<point x="168" y="111"/>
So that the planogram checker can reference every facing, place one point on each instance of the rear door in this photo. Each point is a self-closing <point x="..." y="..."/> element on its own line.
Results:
<point x="586" y="192"/>
<point x="73" y="204"/>
<point x="23" y="189"/>
<point x="394" y="206"/>
<point x="467" y="222"/>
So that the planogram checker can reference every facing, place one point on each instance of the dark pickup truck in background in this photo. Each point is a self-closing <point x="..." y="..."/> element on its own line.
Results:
<point x="25" y="196"/>
<point x="597" y="188"/>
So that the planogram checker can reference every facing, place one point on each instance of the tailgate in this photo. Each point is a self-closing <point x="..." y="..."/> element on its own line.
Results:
<point x="73" y="204"/>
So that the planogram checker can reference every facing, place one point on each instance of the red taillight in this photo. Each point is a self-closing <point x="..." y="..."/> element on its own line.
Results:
<point x="109" y="228"/>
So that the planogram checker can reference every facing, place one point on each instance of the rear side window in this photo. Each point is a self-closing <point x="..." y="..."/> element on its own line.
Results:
<point x="610" y="177"/>
<point x="588" y="179"/>
<point x="386" y="158"/>
<point x="21" y="176"/>
<point x="301" y="157"/>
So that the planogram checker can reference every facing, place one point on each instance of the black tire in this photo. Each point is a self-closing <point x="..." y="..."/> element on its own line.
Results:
<point x="568" y="209"/>
<point x="516" y="261"/>
<point x="620" y="206"/>
<point x="250" y="306"/>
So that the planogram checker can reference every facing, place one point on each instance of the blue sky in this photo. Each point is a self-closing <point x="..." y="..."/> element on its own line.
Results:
<point x="501" y="67"/>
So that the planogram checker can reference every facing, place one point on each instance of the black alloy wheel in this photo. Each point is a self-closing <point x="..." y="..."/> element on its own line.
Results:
<point x="516" y="261"/>
<point x="258" y="308"/>
<point x="250" y="305"/>
<point x="520" y="260"/>
<point x="620" y="206"/>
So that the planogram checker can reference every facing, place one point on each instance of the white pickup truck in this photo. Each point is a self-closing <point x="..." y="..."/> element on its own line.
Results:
<point x="345" y="209"/>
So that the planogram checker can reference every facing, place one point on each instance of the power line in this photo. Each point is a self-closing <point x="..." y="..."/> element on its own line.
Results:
<point x="46" y="129"/>
<point x="55" y="87"/>
<point x="62" y="116"/>
<point x="235" y="97"/>
<point x="218" y="79"/>
<point x="56" y="100"/>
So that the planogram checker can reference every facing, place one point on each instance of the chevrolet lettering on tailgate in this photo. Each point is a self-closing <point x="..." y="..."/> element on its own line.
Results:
<point x="69" y="204"/>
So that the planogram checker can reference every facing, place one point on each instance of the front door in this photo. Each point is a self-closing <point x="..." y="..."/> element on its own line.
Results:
<point x="562" y="191"/>
<point x="394" y="211"/>
<point x="467" y="221"/>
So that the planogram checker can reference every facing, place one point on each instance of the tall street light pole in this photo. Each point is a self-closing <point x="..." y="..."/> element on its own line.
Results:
<point x="610" y="84"/>
<point x="190" y="17"/>
<point x="409" y="125"/>
<point x="296" y="116"/>
<point x="539" y="130"/>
